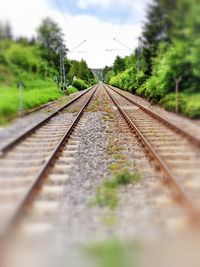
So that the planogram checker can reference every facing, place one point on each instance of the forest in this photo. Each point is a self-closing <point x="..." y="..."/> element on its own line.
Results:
<point x="167" y="59"/>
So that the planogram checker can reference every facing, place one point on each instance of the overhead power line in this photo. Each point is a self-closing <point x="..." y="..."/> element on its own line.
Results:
<point x="125" y="17"/>
<point x="59" y="5"/>
<point x="116" y="40"/>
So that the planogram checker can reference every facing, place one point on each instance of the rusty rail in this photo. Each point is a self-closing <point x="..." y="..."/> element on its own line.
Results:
<point x="169" y="124"/>
<point x="21" y="137"/>
<point x="40" y="177"/>
<point x="168" y="178"/>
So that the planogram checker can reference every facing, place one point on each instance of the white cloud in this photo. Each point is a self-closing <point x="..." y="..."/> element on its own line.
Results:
<point x="25" y="16"/>
<point x="88" y="3"/>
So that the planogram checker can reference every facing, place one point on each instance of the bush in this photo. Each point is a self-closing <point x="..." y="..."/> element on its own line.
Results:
<point x="169" y="102"/>
<point x="25" y="57"/>
<point x="79" y="84"/>
<point x="189" y="104"/>
<point x="71" y="90"/>
<point x="192" y="108"/>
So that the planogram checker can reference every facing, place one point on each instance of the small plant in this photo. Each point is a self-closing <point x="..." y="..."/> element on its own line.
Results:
<point x="114" y="166"/>
<point x="125" y="178"/>
<point x="106" y="197"/>
<point x="107" y="193"/>
<point x="120" y="157"/>
<point x="114" y="253"/>
<point x="109" y="220"/>
<point x="96" y="106"/>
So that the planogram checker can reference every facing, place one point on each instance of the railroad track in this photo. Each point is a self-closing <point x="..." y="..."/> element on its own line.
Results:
<point x="34" y="165"/>
<point x="174" y="151"/>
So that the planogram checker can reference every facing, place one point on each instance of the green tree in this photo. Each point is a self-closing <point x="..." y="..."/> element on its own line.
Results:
<point x="119" y="65"/>
<point x="50" y="38"/>
<point x="157" y="28"/>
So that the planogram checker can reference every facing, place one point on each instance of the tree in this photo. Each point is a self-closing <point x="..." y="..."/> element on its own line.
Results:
<point x="105" y="72"/>
<point x="157" y="28"/>
<point x="83" y="72"/>
<point x="8" y="31"/>
<point x="50" y="35"/>
<point x="5" y="31"/>
<point x="50" y="39"/>
<point x="80" y="70"/>
<point x="119" y="65"/>
<point x="1" y="31"/>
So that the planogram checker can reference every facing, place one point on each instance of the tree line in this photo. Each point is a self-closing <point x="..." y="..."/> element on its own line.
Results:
<point x="168" y="57"/>
<point x="41" y="54"/>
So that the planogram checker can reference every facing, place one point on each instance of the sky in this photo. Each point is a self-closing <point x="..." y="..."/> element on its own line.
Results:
<point x="95" y="21"/>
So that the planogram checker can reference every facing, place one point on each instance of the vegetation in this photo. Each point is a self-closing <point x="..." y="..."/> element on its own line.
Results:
<point x="71" y="89"/>
<point x="34" y="65"/>
<point x="168" y="57"/>
<point x="41" y="94"/>
<point x="107" y="193"/>
<point x="114" y="253"/>
<point x="79" y="84"/>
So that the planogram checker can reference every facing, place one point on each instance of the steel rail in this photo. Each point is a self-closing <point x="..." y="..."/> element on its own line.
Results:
<point x="167" y="123"/>
<point x="40" y="177"/>
<point x="18" y="139"/>
<point x="168" y="178"/>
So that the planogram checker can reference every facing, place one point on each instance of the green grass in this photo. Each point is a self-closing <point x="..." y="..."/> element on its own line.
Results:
<point x="37" y="92"/>
<point x="114" y="253"/>
<point x="189" y="104"/>
<point x="107" y="193"/>
<point x="106" y="196"/>
<point x="126" y="177"/>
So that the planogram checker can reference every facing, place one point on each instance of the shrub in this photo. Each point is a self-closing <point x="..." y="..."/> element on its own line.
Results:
<point x="25" y="57"/>
<point x="169" y="102"/>
<point x="71" y="90"/>
<point x="79" y="84"/>
<point x="192" y="108"/>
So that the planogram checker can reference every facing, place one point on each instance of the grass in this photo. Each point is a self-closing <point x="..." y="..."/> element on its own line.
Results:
<point x="106" y="196"/>
<point x="125" y="178"/>
<point x="114" y="253"/>
<point x="189" y="104"/>
<point x="33" y="96"/>
<point x="107" y="193"/>
<point x="113" y="149"/>
<point x="115" y="166"/>
<point x="96" y="106"/>
<point x="109" y="220"/>
<point x="119" y="156"/>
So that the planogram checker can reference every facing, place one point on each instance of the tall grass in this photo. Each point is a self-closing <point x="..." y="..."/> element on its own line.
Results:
<point x="33" y="96"/>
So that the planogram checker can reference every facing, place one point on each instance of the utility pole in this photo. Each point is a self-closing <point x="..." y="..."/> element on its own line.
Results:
<point x="20" y="86"/>
<point x="62" y="68"/>
<point x="177" y="81"/>
<point x="63" y="52"/>
<point x="139" y="54"/>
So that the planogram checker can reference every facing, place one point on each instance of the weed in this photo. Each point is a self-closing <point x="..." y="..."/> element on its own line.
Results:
<point x="114" y="166"/>
<point x="109" y="220"/>
<point x="120" y="157"/>
<point x="95" y="106"/>
<point x="114" y="253"/>
<point x="125" y="177"/>
<point x="106" y="197"/>
<point x="107" y="193"/>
